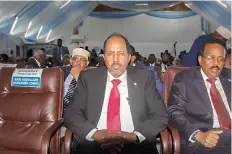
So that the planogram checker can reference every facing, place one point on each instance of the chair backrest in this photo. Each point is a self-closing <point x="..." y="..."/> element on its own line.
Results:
<point x="28" y="112"/>
<point x="168" y="80"/>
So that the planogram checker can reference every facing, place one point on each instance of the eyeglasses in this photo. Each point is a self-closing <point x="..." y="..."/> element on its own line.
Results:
<point x="82" y="60"/>
<point x="212" y="58"/>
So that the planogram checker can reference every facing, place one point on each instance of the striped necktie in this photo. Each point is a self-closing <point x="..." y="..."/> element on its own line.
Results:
<point x="69" y="93"/>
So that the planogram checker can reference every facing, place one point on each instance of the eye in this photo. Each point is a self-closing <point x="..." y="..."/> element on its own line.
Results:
<point x="209" y="57"/>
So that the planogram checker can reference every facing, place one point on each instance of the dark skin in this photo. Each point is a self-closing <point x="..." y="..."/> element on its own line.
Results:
<point x="211" y="68"/>
<point x="151" y="59"/>
<point x="116" y="60"/>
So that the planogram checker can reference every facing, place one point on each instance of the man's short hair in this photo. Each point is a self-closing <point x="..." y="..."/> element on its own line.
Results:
<point x="117" y="35"/>
<point x="39" y="53"/>
<point x="132" y="50"/>
<point x="4" y="57"/>
<point x="228" y="51"/>
<point x="211" y="41"/>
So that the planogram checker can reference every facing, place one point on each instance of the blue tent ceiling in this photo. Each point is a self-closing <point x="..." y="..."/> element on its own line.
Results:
<point x="60" y="19"/>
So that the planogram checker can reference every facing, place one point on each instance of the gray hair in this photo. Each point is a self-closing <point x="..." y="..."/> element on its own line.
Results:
<point x="39" y="53"/>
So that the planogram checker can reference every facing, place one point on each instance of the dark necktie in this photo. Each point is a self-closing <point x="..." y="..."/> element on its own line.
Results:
<point x="113" y="113"/>
<point x="222" y="113"/>
<point x="69" y="93"/>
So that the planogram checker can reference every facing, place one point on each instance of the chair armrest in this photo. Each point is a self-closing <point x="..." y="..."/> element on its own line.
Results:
<point x="166" y="142"/>
<point x="51" y="131"/>
<point x="67" y="141"/>
<point x="175" y="138"/>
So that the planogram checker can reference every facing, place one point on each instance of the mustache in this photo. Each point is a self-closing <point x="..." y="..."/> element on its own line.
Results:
<point x="116" y="64"/>
<point x="214" y="67"/>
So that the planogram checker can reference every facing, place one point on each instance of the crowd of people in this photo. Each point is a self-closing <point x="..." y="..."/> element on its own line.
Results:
<point x="113" y="100"/>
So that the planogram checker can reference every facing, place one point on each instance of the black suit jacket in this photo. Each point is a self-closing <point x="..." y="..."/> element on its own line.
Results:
<point x="32" y="63"/>
<point x="148" y="111"/>
<point x="189" y="105"/>
<point x="55" y="55"/>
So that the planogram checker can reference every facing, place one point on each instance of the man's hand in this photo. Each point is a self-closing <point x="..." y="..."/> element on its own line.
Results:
<point x="125" y="137"/>
<point x="208" y="139"/>
<point x="75" y="72"/>
<point x="102" y="136"/>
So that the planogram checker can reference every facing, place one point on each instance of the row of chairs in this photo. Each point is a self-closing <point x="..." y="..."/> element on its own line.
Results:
<point x="31" y="118"/>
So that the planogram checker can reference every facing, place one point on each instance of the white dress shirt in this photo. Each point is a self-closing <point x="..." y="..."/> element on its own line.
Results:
<point x="152" y="64"/>
<point x="125" y="112"/>
<point x="38" y="63"/>
<point x="223" y="96"/>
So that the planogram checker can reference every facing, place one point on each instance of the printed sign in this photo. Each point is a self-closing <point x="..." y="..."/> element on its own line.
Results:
<point x="26" y="78"/>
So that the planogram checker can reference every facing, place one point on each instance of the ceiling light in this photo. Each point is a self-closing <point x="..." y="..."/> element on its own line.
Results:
<point x="222" y="3"/>
<point x="48" y="35"/>
<point x="29" y="25"/>
<point x="13" y="26"/>
<point x="65" y="4"/>
<point x="142" y="4"/>
<point x="39" y="32"/>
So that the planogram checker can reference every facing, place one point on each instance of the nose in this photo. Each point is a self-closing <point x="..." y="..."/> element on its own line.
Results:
<point x="115" y="57"/>
<point x="215" y="61"/>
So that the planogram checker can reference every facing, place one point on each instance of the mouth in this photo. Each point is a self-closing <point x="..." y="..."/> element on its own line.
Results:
<point x="116" y="66"/>
<point x="214" y="69"/>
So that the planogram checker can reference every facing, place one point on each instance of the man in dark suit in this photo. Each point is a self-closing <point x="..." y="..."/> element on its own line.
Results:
<point x="37" y="61"/>
<point x="59" y="52"/>
<point x="199" y="104"/>
<point x="116" y="109"/>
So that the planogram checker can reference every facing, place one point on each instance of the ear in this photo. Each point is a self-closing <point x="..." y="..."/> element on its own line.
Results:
<point x="199" y="59"/>
<point x="129" y="57"/>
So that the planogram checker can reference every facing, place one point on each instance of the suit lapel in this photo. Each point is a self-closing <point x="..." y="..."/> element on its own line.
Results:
<point x="200" y="85"/>
<point x="227" y="89"/>
<point x="100" y="93"/>
<point x="133" y="92"/>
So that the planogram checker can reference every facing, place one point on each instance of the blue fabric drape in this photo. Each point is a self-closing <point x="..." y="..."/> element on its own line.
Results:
<point x="167" y="15"/>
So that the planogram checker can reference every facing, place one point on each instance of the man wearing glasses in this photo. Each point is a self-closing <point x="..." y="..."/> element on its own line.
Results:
<point x="199" y="105"/>
<point x="79" y="62"/>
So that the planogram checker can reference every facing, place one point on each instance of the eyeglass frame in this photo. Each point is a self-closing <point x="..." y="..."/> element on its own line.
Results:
<point x="212" y="57"/>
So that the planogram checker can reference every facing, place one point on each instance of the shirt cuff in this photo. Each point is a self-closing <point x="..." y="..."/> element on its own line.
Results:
<point x="90" y="134"/>
<point x="140" y="136"/>
<point x="191" y="137"/>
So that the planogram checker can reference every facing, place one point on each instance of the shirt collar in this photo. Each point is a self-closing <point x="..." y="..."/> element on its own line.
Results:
<point x="37" y="62"/>
<point x="205" y="77"/>
<point x="122" y="78"/>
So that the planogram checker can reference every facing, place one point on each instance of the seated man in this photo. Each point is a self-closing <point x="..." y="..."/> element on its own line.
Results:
<point x="79" y="62"/>
<point x="38" y="60"/>
<point x="199" y="104"/>
<point x="116" y="109"/>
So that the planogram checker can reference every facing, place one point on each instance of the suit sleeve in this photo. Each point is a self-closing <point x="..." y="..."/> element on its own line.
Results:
<point x="176" y="109"/>
<point x="157" y="117"/>
<point x="74" y="115"/>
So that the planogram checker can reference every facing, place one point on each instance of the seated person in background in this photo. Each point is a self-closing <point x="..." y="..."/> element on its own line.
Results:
<point x="4" y="58"/>
<point x="37" y="61"/>
<point x="79" y="62"/>
<point x="116" y="109"/>
<point x="151" y="60"/>
<point x="101" y="60"/>
<point x="66" y="60"/>
<point x="199" y="104"/>
<point x="227" y="68"/>
<point x="165" y="57"/>
<point x="133" y="59"/>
